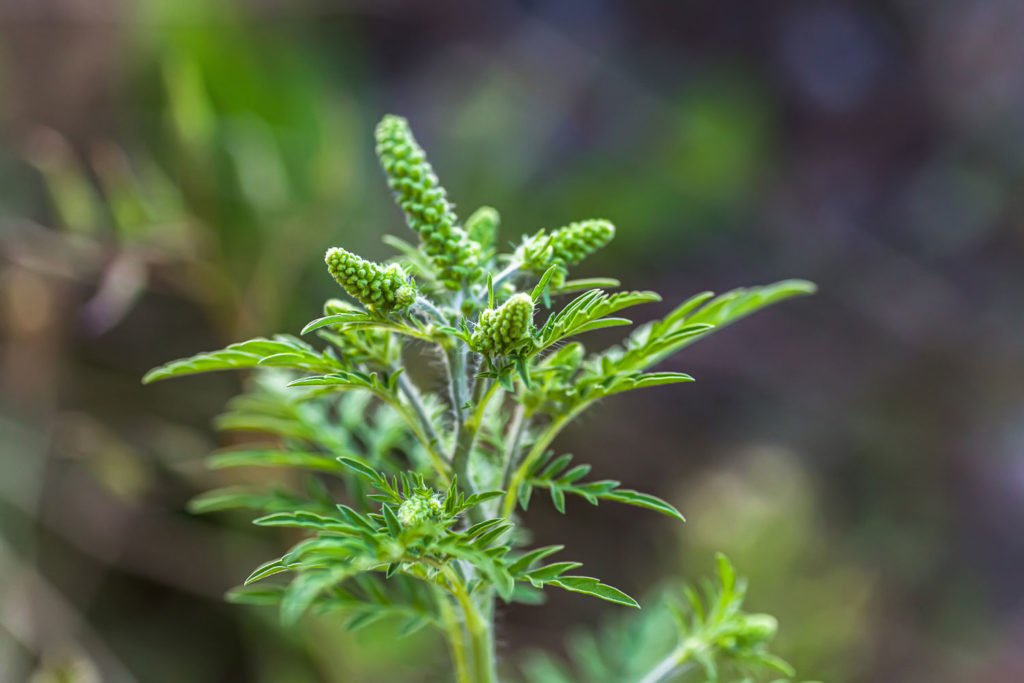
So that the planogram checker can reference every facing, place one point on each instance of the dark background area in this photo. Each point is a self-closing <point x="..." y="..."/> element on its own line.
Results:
<point x="171" y="172"/>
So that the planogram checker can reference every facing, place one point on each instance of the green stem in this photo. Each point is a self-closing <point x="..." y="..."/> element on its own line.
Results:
<point x="509" y="272"/>
<point x="539" y="446"/>
<point x="677" y="661"/>
<point x="466" y="439"/>
<point x="470" y="428"/>
<point x="429" y="306"/>
<point x="418" y="430"/>
<point x="514" y="442"/>
<point x="455" y="637"/>
<point x="458" y="383"/>
<point x="406" y="386"/>
<point x="479" y="630"/>
<point x="436" y="459"/>
<point x="480" y="403"/>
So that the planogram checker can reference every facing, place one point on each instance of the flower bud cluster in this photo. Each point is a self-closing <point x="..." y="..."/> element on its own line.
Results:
<point x="425" y="203"/>
<point x="567" y="246"/>
<point x="500" y="330"/>
<point x="380" y="288"/>
<point x="482" y="226"/>
<point x="423" y="507"/>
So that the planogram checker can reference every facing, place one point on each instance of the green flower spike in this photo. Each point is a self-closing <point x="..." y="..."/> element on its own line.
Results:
<point x="377" y="287"/>
<point x="567" y="246"/>
<point x="422" y="507"/>
<point x="501" y="329"/>
<point x="425" y="203"/>
<point x="482" y="226"/>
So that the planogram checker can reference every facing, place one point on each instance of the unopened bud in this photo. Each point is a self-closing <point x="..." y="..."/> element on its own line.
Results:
<point x="501" y="329"/>
<point x="420" y="508"/>
<point x="381" y="288"/>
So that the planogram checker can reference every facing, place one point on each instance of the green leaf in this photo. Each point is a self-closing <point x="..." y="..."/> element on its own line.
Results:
<point x="601" y="323"/>
<point x="303" y="520"/>
<point x="365" y="618"/>
<point x="644" y="500"/>
<point x="485" y="539"/>
<point x="726" y="573"/>
<point x="302" y="591"/>
<point x="478" y="498"/>
<point x="570" y="286"/>
<point x="366" y="472"/>
<point x="271" y="457"/>
<point x="412" y="625"/>
<point x="558" y="499"/>
<point x="544" y="279"/>
<point x="288" y="350"/>
<point x="336" y="319"/>
<point x="591" y="586"/>
<point x="235" y="498"/>
<point x="481" y="527"/>
<point x="556" y="475"/>
<point x="694" y="319"/>
<point x="255" y="595"/>
<point x="394" y="527"/>
<point x="551" y="571"/>
<point x="524" y="561"/>
<point x="264" y="570"/>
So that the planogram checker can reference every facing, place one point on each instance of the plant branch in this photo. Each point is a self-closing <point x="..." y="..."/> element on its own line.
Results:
<point x="677" y="661"/>
<point x="455" y="636"/>
<point x="479" y="631"/>
<point x="469" y="429"/>
<point x="539" y="446"/>
<point x="510" y="271"/>
<point x="436" y="458"/>
<point x="406" y="386"/>
<point x="514" y="443"/>
<point x="427" y="305"/>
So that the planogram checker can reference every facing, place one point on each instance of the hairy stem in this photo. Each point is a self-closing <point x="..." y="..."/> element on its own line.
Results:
<point x="410" y="391"/>
<point x="470" y="427"/>
<point x="677" y="662"/>
<point x="514" y="443"/>
<point x="418" y="430"/>
<point x="480" y="632"/>
<point x="455" y="636"/>
<point x="510" y="271"/>
<point x="427" y="305"/>
<point x="466" y="439"/>
<point x="456" y="356"/>
<point x="508" y="505"/>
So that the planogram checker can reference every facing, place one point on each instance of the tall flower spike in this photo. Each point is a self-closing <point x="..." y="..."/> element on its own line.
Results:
<point x="425" y="203"/>
<point x="501" y="329"/>
<point x="380" y="288"/>
<point x="567" y="245"/>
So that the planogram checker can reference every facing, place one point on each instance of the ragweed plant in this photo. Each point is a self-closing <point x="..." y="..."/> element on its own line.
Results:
<point x="414" y="510"/>
<point x="684" y="635"/>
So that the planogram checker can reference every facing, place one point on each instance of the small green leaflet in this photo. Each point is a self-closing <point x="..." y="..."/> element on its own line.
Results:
<point x="272" y="457"/>
<point x="560" y="479"/>
<point x="586" y="312"/>
<point x="592" y="586"/>
<point x="282" y="350"/>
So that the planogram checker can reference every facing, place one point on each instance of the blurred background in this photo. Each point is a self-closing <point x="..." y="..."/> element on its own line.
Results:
<point x="171" y="172"/>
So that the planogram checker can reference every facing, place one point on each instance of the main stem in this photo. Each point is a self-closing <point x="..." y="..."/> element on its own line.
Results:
<point x="455" y="637"/>
<point x="480" y="628"/>
<point x="478" y="609"/>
